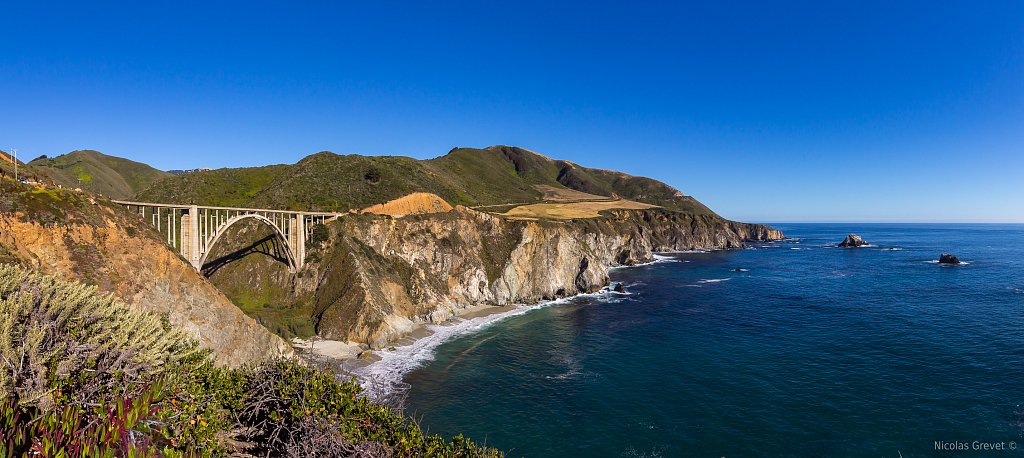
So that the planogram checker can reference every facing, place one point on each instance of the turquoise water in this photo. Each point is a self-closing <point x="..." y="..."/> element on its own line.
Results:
<point x="812" y="351"/>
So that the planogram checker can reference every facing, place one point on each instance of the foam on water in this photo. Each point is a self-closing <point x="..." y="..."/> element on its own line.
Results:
<point x="713" y="280"/>
<point x="386" y="374"/>
<point x="658" y="258"/>
<point x="572" y="369"/>
<point x="935" y="261"/>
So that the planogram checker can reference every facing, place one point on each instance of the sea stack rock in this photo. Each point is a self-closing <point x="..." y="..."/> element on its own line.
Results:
<point x="619" y="288"/>
<point x="853" y="240"/>
<point x="947" y="258"/>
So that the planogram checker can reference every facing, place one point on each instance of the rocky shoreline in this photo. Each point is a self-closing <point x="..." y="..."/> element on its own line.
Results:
<point x="381" y="277"/>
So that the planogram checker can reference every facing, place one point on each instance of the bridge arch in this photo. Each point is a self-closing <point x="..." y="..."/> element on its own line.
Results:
<point x="211" y="241"/>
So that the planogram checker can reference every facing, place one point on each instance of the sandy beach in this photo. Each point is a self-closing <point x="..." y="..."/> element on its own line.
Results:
<point x="348" y="356"/>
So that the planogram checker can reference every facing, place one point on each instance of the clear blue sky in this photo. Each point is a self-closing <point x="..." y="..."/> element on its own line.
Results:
<point x="766" y="111"/>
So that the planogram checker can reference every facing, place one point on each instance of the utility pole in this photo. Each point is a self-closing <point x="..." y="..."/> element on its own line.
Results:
<point x="15" y="152"/>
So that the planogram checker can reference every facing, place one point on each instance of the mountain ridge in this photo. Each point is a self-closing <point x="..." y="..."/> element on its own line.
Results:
<point x="326" y="181"/>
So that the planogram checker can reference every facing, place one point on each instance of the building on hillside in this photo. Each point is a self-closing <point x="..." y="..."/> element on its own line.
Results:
<point x="183" y="172"/>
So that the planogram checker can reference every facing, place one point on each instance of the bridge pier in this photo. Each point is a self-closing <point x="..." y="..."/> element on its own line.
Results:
<point x="297" y="239"/>
<point x="190" y="241"/>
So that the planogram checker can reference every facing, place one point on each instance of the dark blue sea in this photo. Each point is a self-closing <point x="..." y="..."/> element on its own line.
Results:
<point x="795" y="348"/>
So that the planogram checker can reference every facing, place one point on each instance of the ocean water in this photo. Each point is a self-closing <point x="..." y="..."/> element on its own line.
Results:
<point x="795" y="348"/>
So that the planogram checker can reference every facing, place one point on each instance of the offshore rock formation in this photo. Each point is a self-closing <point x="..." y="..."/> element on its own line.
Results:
<point x="73" y="236"/>
<point x="853" y="241"/>
<point x="947" y="258"/>
<point x="380" y="276"/>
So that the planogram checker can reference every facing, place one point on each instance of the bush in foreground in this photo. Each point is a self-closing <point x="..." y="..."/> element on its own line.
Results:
<point x="86" y="376"/>
<point x="57" y="338"/>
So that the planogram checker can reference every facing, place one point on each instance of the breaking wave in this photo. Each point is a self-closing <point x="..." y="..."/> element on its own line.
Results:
<point x="935" y="261"/>
<point x="386" y="374"/>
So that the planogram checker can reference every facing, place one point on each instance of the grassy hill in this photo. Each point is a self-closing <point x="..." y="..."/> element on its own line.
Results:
<point x="96" y="172"/>
<point x="465" y="176"/>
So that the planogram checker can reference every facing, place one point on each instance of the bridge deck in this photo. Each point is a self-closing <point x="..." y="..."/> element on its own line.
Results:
<point x="207" y="207"/>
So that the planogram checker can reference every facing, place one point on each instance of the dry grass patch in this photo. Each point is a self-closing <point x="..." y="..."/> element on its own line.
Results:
<point x="574" y="210"/>
<point x="566" y="194"/>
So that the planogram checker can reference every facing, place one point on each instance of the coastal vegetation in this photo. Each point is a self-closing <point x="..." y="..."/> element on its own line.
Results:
<point x="85" y="375"/>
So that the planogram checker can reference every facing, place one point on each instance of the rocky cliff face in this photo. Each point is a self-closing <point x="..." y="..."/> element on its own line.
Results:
<point x="379" y="276"/>
<point x="70" y="235"/>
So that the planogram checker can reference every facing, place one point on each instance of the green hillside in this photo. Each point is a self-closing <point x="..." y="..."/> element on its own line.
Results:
<point x="222" y="187"/>
<point x="93" y="171"/>
<point x="465" y="176"/>
<point x="511" y="172"/>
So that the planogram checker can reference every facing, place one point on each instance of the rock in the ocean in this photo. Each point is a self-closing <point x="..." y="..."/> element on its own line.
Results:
<point x="619" y="288"/>
<point x="853" y="240"/>
<point x="947" y="258"/>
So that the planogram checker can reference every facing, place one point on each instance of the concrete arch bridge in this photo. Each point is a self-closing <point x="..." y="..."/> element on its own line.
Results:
<point x="193" y="230"/>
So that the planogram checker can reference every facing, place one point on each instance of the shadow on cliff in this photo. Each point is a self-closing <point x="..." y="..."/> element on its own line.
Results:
<point x="269" y="246"/>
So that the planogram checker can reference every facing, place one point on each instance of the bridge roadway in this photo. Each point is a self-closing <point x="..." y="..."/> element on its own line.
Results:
<point x="193" y="230"/>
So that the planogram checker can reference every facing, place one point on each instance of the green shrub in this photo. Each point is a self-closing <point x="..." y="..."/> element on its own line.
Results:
<point x="72" y="345"/>
<point x="295" y="410"/>
<point x="317" y="236"/>
<point x="312" y="257"/>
